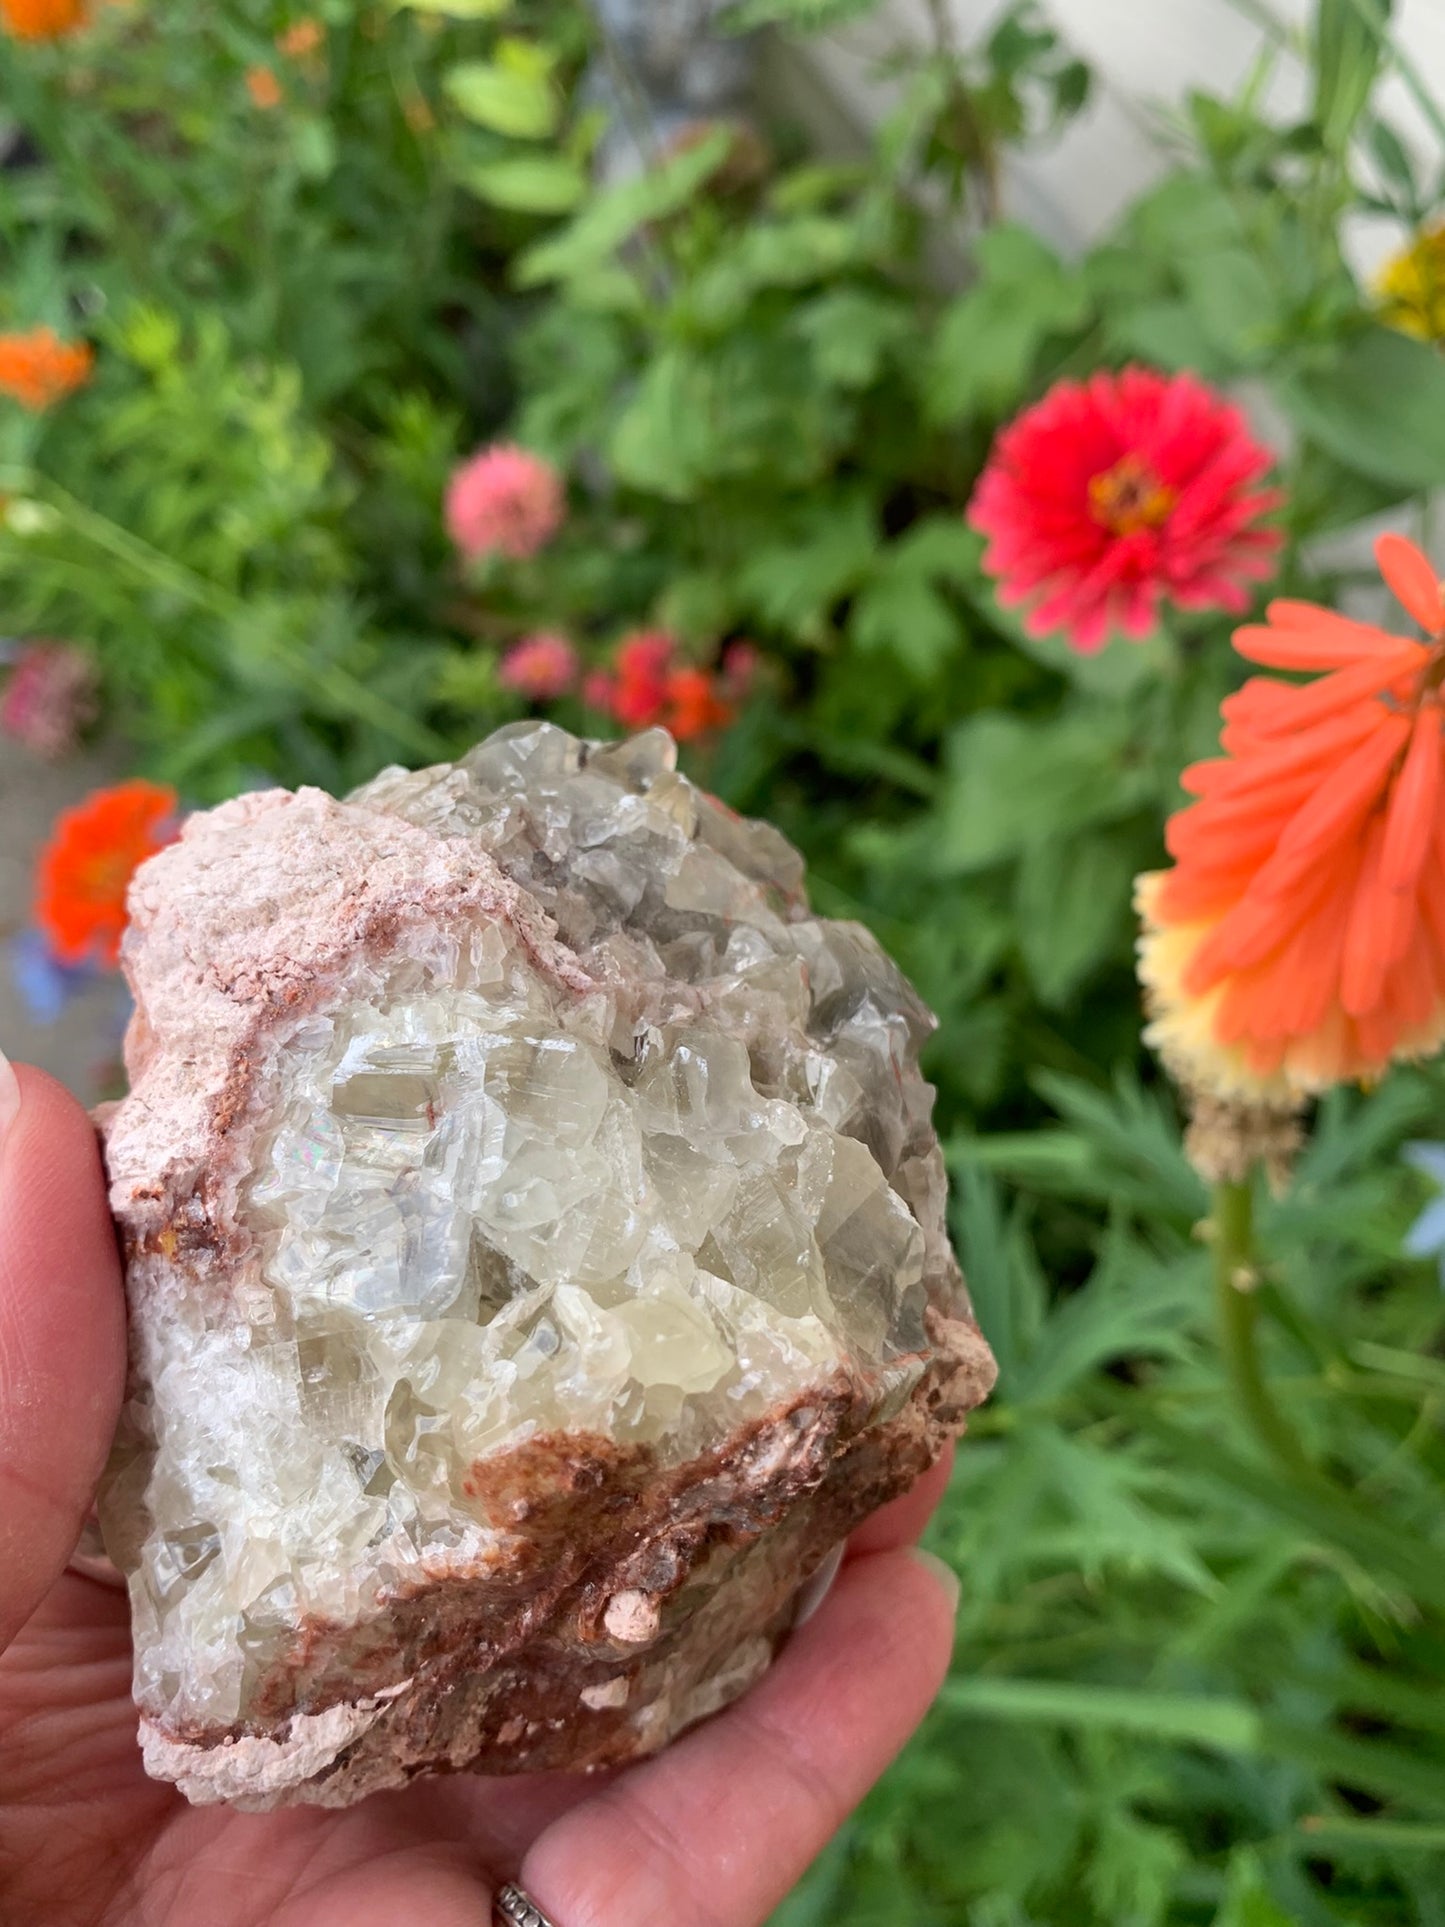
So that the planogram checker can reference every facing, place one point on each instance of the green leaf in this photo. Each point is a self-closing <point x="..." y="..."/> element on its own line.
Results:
<point x="989" y="337"/>
<point x="900" y="614"/>
<point x="1171" y="334"/>
<point x="1379" y="408"/>
<point x="852" y="332"/>
<point x="1395" y="162"/>
<point x="1219" y="1724"/>
<point x="771" y="254"/>
<point x="504" y="98"/>
<point x="1008" y="1291"/>
<point x="1011" y="783"/>
<point x="1350" y="40"/>
<point x="1108" y="1511"/>
<point x="1195" y="1720"/>
<point x="1072" y="901"/>
<point x="529" y="183"/>
<point x="793" y="584"/>
<point x="1247" y="1901"/>
<point x="741" y="410"/>
<point x="1233" y="301"/>
<point x="1134" y="1140"/>
<point x="1379" y="1547"/>
<point x="798" y="16"/>
<point x="1134" y="1306"/>
<point x="455" y="9"/>
<point x="616" y="214"/>
<point x="1186" y="212"/>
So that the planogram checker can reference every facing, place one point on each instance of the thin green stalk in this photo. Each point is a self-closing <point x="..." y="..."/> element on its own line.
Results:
<point x="332" y="682"/>
<point x="1411" y="76"/>
<point x="1236" y="1272"/>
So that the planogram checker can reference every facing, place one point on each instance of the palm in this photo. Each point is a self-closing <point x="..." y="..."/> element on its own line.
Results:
<point x="713" y="1832"/>
<point x="87" y="1837"/>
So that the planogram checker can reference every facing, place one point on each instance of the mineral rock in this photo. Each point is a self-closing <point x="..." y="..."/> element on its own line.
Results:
<point x="536" y="1258"/>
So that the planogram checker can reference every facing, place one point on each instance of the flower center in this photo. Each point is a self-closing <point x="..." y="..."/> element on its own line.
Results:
<point x="1129" y="497"/>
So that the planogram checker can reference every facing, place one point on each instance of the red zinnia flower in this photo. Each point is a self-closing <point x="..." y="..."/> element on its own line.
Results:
<point x="85" y="869"/>
<point x="539" y="666"/>
<point x="648" y="686"/>
<point x="38" y="368"/>
<point x="1111" y="496"/>
<point x="1299" y="938"/>
<point x="42" y="19"/>
<point x="504" y="501"/>
<point x="642" y="667"/>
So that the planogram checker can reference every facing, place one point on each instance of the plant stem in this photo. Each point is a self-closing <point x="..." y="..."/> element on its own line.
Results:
<point x="1236" y="1267"/>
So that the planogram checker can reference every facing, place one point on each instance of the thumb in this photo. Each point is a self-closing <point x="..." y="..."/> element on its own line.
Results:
<point x="62" y="1334"/>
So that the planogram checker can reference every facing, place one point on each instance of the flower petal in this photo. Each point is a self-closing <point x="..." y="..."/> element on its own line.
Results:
<point x="1412" y="581"/>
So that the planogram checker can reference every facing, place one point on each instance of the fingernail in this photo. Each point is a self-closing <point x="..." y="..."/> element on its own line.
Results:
<point x="815" y="1589"/>
<point x="945" y="1575"/>
<point x="9" y="1096"/>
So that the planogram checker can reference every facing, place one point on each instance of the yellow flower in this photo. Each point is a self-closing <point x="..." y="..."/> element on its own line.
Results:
<point x="1411" y="286"/>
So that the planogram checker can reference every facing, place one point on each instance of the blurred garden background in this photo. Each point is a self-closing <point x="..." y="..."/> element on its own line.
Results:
<point x="372" y="375"/>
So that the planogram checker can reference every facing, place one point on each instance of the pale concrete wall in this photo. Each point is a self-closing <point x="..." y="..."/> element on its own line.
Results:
<point x="1146" y="55"/>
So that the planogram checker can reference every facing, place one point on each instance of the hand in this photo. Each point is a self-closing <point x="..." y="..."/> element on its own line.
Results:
<point x="712" y="1833"/>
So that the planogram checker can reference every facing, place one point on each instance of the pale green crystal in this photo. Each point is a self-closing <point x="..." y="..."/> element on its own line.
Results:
<point x="486" y="1207"/>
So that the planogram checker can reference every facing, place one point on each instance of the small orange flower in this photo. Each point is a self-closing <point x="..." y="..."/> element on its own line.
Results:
<point x="37" y="368"/>
<point x="1299" y="939"/>
<point x="263" y="87"/>
<point x="84" y="871"/>
<point x="301" y="39"/>
<point x="694" y="705"/>
<point x="43" y="19"/>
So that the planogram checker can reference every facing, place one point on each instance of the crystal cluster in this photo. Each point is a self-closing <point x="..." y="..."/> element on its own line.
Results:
<point x="535" y="1237"/>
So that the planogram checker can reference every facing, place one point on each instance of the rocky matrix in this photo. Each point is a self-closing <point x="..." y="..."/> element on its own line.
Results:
<point x="536" y="1249"/>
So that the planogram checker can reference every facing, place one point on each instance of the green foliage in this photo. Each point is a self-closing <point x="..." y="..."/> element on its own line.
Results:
<point x="1189" y="1692"/>
<point x="1182" y="1695"/>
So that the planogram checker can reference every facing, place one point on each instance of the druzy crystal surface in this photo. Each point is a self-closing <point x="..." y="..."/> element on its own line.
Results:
<point x="537" y="1260"/>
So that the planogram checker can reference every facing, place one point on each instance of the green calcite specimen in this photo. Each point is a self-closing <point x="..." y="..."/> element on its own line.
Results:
<point x="537" y="1260"/>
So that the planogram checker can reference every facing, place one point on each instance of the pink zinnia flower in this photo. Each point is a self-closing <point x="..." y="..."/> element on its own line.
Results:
<point x="597" y="690"/>
<point x="504" y="501"/>
<point x="539" y="667"/>
<point x="49" y="698"/>
<point x="741" y="662"/>
<point x="1113" y="495"/>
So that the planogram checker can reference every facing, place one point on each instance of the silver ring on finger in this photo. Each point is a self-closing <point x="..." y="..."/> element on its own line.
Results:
<point x="515" y="1909"/>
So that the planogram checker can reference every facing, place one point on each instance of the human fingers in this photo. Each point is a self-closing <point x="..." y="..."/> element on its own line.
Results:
<point x="62" y="1334"/>
<point x="720" y="1827"/>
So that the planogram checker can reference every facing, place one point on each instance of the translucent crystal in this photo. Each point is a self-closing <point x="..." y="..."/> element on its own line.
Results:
<point x="485" y="1207"/>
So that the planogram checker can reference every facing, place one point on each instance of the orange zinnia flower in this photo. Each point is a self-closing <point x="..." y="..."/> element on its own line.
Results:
<point x="42" y="19"/>
<point x="85" y="869"/>
<point x="694" y="706"/>
<point x="301" y="39"/>
<point x="263" y="87"/>
<point x="1299" y="938"/>
<point x="38" y="368"/>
